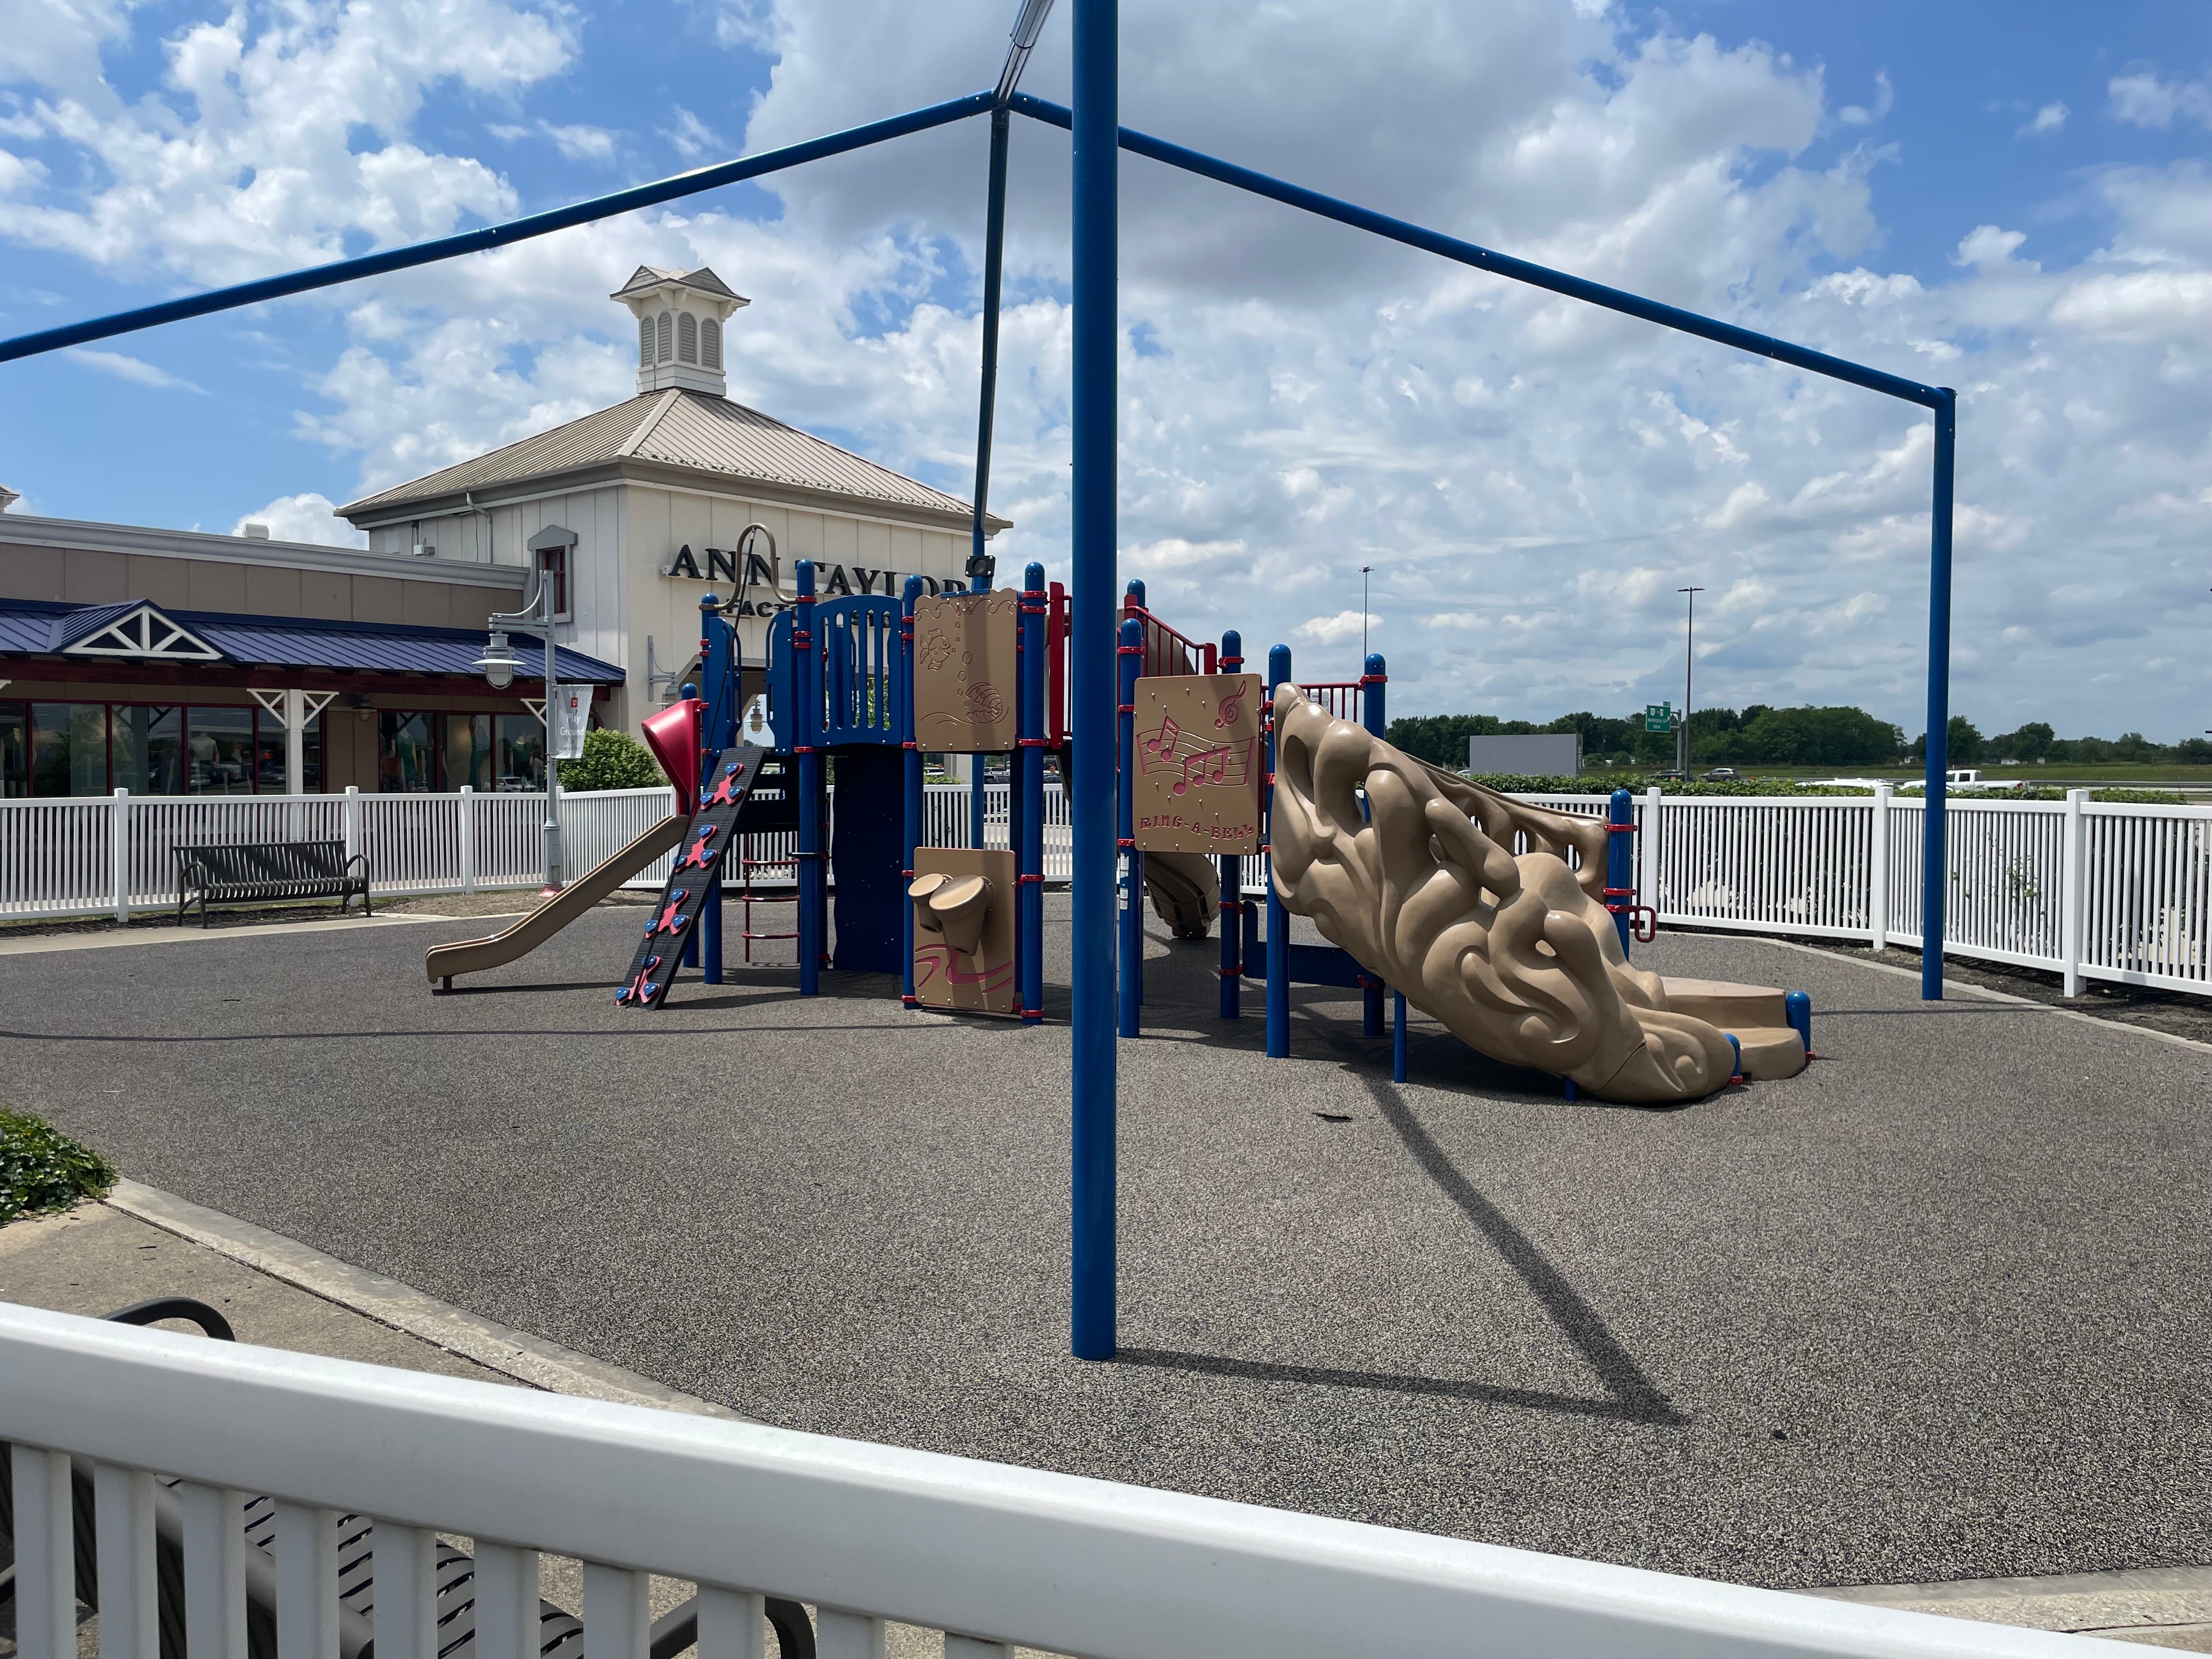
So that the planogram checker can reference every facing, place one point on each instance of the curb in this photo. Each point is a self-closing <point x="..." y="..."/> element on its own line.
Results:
<point x="527" y="1359"/>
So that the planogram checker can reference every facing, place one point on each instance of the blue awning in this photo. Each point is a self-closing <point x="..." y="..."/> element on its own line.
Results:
<point x="138" y="631"/>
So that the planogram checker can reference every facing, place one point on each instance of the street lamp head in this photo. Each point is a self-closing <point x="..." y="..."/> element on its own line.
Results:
<point x="498" y="662"/>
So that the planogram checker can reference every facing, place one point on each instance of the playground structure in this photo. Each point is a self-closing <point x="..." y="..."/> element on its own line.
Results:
<point x="1411" y="874"/>
<point x="1098" y="138"/>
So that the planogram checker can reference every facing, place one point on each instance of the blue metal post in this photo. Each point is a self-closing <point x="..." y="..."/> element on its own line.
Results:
<point x="1620" y="863"/>
<point x="1232" y="878"/>
<point x="1096" y="124"/>
<point x="979" y="769"/>
<point x="1398" y="1036"/>
<point x="910" y="801"/>
<point x="1279" y="918"/>
<point x="718" y="666"/>
<point x="1029" y="714"/>
<point x="1374" y="684"/>
<point x="1797" y="1009"/>
<point x="1131" y="657"/>
<point x="1933" y="866"/>
<point x="807" y="684"/>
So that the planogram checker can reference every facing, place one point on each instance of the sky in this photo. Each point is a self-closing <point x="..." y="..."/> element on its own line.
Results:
<point x="2011" y="200"/>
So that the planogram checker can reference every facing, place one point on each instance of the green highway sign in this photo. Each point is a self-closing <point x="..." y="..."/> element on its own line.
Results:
<point x="1658" y="717"/>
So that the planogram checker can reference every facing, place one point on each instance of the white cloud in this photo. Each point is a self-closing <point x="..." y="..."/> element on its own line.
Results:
<point x="1307" y="401"/>
<point x="125" y="368"/>
<point x="2143" y="100"/>
<point x="1334" y="630"/>
<point x="576" y="143"/>
<point x="1884" y="100"/>
<point x="2050" y="118"/>
<point x="276" y="137"/>
<point x="303" y="518"/>
<point x="692" y="138"/>
<point x="1987" y="246"/>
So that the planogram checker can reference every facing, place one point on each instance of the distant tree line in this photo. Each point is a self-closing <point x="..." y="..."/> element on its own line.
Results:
<point x="1761" y="735"/>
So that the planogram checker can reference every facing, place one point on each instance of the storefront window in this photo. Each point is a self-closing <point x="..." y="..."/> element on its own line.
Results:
<point x="14" y="751"/>
<point x="468" y="751"/>
<point x="521" y="753"/>
<point x="150" y="749"/>
<point x="406" y="753"/>
<point x="69" y="748"/>
<point x="219" y="742"/>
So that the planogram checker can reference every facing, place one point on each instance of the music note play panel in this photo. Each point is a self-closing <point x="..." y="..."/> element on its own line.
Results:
<point x="1199" y="763"/>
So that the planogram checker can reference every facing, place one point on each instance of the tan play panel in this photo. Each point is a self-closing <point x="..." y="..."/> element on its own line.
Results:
<point x="964" y="647"/>
<point x="1199" y="763"/>
<point x="964" y="930"/>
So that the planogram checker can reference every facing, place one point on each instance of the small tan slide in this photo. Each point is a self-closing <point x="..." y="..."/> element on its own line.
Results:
<point x="1186" y="889"/>
<point x="473" y="955"/>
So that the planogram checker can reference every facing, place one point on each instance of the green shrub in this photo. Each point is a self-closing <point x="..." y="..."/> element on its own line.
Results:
<point x="612" y="759"/>
<point x="42" y="1169"/>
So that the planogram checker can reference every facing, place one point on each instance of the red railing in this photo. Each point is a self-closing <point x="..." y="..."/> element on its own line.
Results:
<point x="1168" y="650"/>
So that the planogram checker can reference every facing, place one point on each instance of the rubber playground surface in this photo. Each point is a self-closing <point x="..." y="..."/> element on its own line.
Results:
<point x="1936" y="1309"/>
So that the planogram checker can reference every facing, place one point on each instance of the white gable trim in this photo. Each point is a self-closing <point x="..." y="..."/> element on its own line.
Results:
<point x="144" y="633"/>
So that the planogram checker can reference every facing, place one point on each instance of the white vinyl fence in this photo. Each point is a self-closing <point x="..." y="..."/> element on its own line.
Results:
<point x="992" y="1555"/>
<point x="110" y="856"/>
<point x="2083" y="889"/>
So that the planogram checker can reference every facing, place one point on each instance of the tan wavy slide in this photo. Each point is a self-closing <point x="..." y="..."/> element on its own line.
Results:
<point x="1186" y="889"/>
<point x="1412" y="870"/>
<point x="474" y="956"/>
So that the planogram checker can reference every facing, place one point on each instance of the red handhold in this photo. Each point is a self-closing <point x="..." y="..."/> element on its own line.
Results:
<point x="726" y="792"/>
<point x="699" y="857"/>
<point x="642" y="988"/>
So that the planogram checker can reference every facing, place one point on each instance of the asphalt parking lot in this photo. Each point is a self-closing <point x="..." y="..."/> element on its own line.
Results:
<point x="1935" y="1310"/>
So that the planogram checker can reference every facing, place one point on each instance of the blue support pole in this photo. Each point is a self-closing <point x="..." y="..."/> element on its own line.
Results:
<point x="1232" y="878"/>
<point x="1935" y="867"/>
<point x="1096" y="124"/>
<point x="1279" y="918"/>
<point x="911" y="794"/>
<point x="386" y="261"/>
<point x="1374" y="685"/>
<point x="807" y="684"/>
<point x="994" y="246"/>
<point x="1131" y="657"/>
<point x="1620" y="863"/>
<point x="1398" y="1036"/>
<point x="979" y="769"/>
<point x="1029" y="915"/>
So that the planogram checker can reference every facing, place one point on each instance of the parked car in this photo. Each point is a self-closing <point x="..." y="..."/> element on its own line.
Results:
<point x="1720" y="774"/>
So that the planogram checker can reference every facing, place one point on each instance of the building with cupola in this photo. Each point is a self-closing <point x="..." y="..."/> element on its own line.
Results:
<point x="161" y="661"/>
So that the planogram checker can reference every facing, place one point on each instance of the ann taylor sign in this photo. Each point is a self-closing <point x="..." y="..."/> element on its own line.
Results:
<point x="762" y="576"/>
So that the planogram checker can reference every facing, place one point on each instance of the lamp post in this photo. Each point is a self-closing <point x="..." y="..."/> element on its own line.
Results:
<point x="498" y="662"/>
<point x="1689" y="644"/>
<point x="1364" y="569"/>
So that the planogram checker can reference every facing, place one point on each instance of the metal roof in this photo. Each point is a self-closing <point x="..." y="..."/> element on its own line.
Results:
<point x="41" y="628"/>
<point x="653" y="276"/>
<point x="685" y="428"/>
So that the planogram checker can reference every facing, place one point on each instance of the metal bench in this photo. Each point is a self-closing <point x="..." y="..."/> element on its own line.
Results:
<point x="254" y="872"/>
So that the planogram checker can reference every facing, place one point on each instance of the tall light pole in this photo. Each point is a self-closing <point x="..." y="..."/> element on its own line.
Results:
<point x="1689" y="647"/>
<point x="1364" y="569"/>
<point x="498" y="662"/>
